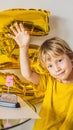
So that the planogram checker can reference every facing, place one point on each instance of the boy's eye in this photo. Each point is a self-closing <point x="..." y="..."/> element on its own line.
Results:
<point x="50" y="66"/>
<point x="60" y="60"/>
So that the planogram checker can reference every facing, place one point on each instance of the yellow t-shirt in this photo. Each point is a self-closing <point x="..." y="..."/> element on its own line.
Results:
<point x="57" y="109"/>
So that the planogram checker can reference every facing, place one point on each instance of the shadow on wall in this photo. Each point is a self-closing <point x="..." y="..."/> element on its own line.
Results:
<point x="58" y="27"/>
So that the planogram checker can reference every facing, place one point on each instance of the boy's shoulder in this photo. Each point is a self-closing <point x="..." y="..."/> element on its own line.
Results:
<point x="47" y="78"/>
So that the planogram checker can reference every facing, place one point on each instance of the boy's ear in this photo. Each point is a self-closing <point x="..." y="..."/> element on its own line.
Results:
<point x="71" y="56"/>
<point x="72" y="63"/>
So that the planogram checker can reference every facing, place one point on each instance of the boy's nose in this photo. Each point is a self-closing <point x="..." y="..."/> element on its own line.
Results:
<point x="56" y="67"/>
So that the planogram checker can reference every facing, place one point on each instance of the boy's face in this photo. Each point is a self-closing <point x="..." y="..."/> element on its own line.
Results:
<point x="60" y="67"/>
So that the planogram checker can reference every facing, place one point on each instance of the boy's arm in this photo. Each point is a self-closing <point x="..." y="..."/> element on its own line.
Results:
<point x="22" y="38"/>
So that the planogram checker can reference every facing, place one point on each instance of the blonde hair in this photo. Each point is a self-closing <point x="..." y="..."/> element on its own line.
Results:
<point x="54" y="47"/>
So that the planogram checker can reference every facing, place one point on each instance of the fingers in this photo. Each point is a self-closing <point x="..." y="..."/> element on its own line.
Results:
<point x="21" y="27"/>
<point x="13" y="30"/>
<point x="11" y="36"/>
<point x="17" y="28"/>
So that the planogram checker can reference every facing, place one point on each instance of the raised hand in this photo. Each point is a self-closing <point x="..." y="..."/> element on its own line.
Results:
<point x="20" y="35"/>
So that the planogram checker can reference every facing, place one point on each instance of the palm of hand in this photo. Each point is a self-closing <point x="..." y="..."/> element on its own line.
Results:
<point x="22" y="38"/>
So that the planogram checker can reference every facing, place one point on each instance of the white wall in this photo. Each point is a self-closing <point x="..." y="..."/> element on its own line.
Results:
<point x="61" y="20"/>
